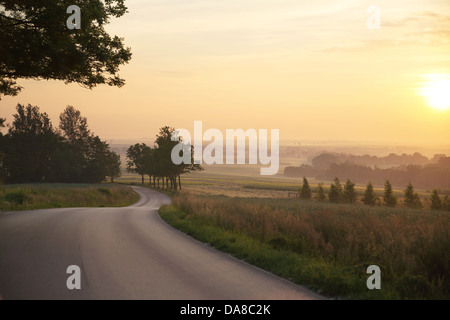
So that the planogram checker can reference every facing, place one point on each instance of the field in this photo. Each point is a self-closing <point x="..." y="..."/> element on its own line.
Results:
<point x="42" y="196"/>
<point x="244" y="181"/>
<point x="325" y="246"/>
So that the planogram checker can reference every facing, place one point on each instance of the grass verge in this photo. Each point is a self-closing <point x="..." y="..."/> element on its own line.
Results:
<point x="44" y="196"/>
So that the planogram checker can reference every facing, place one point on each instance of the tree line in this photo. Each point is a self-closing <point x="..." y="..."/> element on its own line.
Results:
<point x="347" y="194"/>
<point x="156" y="161"/>
<point x="435" y="175"/>
<point x="33" y="150"/>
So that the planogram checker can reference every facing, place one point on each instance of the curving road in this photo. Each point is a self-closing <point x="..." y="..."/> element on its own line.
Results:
<point x="123" y="253"/>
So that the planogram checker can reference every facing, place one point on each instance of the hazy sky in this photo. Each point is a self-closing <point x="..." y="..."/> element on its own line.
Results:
<point x="312" y="69"/>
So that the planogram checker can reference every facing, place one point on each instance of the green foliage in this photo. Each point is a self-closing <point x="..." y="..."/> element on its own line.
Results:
<point x="36" y="43"/>
<point x="16" y="197"/>
<point x="370" y="198"/>
<point x="305" y="192"/>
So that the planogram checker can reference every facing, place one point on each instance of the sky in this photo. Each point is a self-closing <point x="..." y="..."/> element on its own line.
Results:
<point x="312" y="69"/>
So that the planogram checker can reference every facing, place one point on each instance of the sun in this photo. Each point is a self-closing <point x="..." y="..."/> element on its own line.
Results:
<point x="436" y="89"/>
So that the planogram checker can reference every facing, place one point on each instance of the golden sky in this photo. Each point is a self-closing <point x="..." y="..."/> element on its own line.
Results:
<point x="312" y="69"/>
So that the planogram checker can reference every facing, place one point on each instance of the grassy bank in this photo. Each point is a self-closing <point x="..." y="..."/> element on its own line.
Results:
<point x="43" y="196"/>
<point x="326" y="246"/>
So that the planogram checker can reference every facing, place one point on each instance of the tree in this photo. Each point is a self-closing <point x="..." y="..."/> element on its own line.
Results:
<point x="388" y="196"/>
<point x="2" y="152"/>
<point x="84" y="157"/>
<point x="305" y="192"/>
<point x="412" y="199"/>
<point x="335" y="193"/>
<point x="166" y="167"/>
<point x="349" y="192"/>
<point x="97" y="160"/>
<point x="37" y="44"/>
<point x="73" y="127"/>
<point x="30" y="144"/>
<point x="436" y="203"/>
<point x="136" y="159"/>
<point x="369" y="197"/>
<point x="320" y="194"/>
<point x="113" y="165"/>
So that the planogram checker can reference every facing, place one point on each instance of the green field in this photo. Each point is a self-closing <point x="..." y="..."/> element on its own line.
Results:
<point x="43" y="196"/>
<point x="327" y="247"/>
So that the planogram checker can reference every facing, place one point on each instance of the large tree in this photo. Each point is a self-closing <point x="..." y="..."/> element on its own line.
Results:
<point x="136" y="159"/>
<point x="167" y="168"/>
<point x="113" y="165"/>
<point x="35" y="43"/>
<point x="31" y="142"/>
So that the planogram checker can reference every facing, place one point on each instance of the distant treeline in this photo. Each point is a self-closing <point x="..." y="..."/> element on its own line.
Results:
<point x="34" y="151"/>
<point x="434" y="174"/>
<point x="325" y="159"/>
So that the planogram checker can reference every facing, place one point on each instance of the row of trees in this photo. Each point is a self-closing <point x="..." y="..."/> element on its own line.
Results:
<point x="347" y="194"/>
<point x="432" y="175"/>
<point x="156" y="161"/>
<point x="34" y="151"/>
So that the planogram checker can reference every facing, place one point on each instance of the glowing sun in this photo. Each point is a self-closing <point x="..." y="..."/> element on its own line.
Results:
<point x="436" y="89"/>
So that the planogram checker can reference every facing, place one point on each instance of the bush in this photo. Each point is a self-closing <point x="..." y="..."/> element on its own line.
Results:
<point x="16" y="197"/>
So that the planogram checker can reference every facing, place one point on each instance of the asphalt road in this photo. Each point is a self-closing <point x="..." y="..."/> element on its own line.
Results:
<point x="123" y="253"/>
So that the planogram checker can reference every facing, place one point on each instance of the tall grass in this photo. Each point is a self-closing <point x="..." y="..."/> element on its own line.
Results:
<point x="42" y="196"/>
<point x="412" y="247"/>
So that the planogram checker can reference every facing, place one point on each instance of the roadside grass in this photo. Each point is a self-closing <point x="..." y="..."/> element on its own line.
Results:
<point x="57" y="195"/>
<point x="327" y="247"/>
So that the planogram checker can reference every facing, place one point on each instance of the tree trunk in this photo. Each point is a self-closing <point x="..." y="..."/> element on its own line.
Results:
<point x="179" y="181"/>
<point x="158" y="183"/>
<point x="175" y="183"/>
